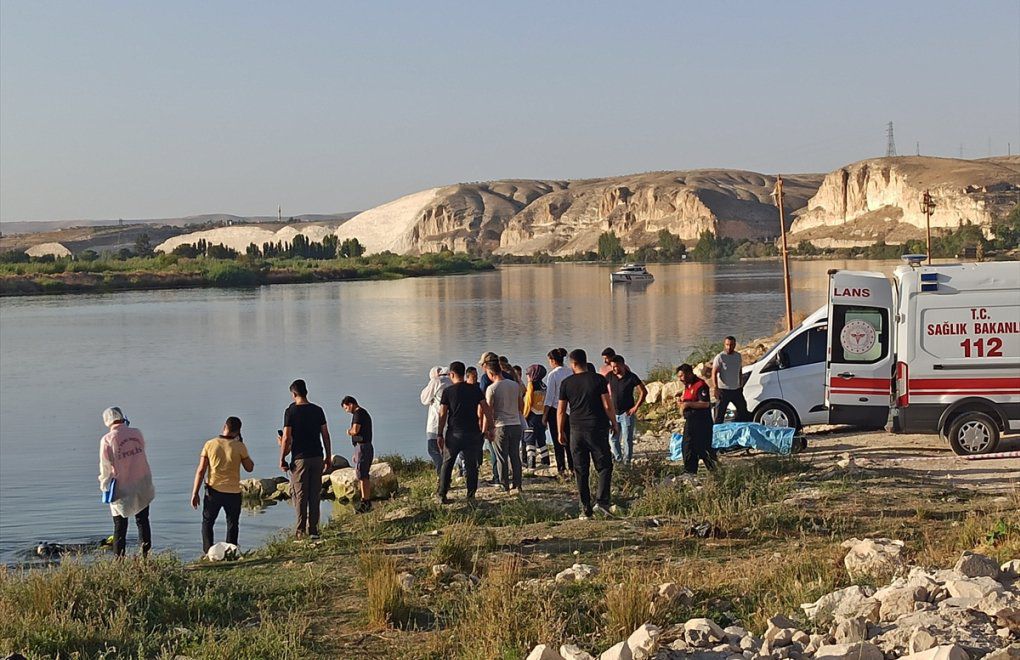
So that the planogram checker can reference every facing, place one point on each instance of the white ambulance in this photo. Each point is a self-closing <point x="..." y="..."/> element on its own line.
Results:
<point x="935" y="349"/>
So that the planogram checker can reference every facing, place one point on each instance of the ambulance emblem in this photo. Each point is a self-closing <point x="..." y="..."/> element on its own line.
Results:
<point x="858" y="337"/>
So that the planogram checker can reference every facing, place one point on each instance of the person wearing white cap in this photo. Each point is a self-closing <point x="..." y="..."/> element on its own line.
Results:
<point x="430" y="396"/>
<point x="125" y="479"/>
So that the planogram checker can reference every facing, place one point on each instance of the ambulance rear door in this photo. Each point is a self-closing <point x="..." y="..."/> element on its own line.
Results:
<point x="859" y="365"/>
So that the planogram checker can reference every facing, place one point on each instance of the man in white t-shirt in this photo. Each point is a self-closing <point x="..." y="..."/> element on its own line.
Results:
<point x="727" y="383"/>
<point x="557" y="373"/>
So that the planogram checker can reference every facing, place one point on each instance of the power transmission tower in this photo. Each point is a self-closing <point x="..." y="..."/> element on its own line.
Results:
<point x="890" y="149"/>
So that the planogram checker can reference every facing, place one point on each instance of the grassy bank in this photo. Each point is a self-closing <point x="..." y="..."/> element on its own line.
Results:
<point x="759" y="537"/>
<point x="175" y="272"/>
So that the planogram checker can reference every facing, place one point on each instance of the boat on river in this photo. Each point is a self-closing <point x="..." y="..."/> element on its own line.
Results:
<point x="631" y="273"/>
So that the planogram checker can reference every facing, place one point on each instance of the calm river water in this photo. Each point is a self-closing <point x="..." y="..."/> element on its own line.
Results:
<point x="180" y="362"/>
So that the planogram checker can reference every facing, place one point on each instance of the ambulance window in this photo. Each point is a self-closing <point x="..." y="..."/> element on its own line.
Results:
<point x="806" y="348"/>
<point x="861" y="334"/>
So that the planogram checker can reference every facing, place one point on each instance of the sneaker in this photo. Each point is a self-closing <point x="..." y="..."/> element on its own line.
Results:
<point x="601" y="511"/>
<point x="500" y="488"/>
<point x="314" y="536"/>
<point x="442" y="499"/>
<point x="585" y="515"/>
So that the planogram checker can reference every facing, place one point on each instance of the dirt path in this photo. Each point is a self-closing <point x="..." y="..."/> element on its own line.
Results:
<point x="921" y="455"/>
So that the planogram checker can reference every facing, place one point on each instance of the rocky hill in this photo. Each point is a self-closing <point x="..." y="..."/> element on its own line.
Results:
<point x="856" y="205"/>
<point x="562" y="217"/>
<point x="880" y="199"/>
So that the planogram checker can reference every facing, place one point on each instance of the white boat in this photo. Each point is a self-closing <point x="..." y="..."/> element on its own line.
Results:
<point x="631" y="273"/>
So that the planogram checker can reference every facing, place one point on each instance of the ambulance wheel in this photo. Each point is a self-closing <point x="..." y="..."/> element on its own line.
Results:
<point x="973" y="433"/>
<point x="776" y="413"/>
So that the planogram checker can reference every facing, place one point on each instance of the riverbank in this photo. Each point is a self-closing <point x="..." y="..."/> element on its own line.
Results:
<point x="416" y="579"/>
<point x="174" y="272"/>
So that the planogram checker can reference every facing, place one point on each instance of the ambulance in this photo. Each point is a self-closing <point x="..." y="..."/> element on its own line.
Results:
<point x="935" y="349"/>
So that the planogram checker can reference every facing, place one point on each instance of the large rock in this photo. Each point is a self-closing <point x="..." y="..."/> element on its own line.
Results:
<point x="654" y="391"/>
<point x="1010" y="569"/>
<point x="703" y="632"/>
<point x="263" y="489"/>
<point x="851" y="631"/>
<point x="644" y="642"/>
<point x="901" y="601"/>
<point x="573" y="652"/>
<point x="543" y="652"/>
<point x="973" y="565"/>
<point x="381" y="477"/>
<point x="618" y="651"/>
<point x="947" y="652"/>
<point x="843" y="604"/>
<point x="978" y="587"/>
<point x="872" y="557"/>
<point x="856" y="651"/>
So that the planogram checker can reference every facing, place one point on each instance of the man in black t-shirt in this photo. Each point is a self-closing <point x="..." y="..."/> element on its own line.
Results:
<point x="628" y="393"/>
<point x="364" y="452"/>
<point x="464" y="416"/>
<point x="303" y="424"/>
<point x="591" y="417"/>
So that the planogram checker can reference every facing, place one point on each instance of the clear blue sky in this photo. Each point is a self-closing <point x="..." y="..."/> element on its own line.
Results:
<point x="156" y="109"/>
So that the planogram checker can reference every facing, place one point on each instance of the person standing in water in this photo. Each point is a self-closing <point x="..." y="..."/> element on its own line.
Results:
<point x="222" y="457"/>
<point x="124" y="470"/>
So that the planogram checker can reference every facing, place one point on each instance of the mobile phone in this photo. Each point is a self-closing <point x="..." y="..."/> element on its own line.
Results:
<point x="279" y="433"/>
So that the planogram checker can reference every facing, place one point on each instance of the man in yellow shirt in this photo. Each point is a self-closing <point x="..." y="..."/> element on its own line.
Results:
<point x="222" y="457"/>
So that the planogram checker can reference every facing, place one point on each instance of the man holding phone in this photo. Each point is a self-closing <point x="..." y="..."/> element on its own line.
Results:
<point x="303" y="425"/>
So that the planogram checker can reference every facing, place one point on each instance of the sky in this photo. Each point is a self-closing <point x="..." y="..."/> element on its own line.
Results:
<point x="164" y="109"/>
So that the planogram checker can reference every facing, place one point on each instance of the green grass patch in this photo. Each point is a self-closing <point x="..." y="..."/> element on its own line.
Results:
<point x="142" y="609"/>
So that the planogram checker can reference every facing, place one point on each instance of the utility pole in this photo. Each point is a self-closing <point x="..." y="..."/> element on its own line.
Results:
<point x="279" y="213"/>
<point x="778" y="194"/>
<point x="927" y="206"/>
<point x="890" y="147"/>
<point x="918" y="147"/>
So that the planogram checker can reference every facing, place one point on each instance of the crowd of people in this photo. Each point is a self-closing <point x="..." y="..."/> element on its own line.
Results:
<point x="587" y="414"/>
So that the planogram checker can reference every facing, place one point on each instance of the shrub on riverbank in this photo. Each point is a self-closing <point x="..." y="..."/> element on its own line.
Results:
<point x="175" y="271"/>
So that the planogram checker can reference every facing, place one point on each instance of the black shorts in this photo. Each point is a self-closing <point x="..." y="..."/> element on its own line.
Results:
<point x="363" y="455"/>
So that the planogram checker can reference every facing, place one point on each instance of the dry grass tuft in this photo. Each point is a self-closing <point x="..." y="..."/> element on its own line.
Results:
<point x="502" y="619"/>
<point x="385" y="603"/>
<point x="628" y="603"/>
<point x="463" y="545"/>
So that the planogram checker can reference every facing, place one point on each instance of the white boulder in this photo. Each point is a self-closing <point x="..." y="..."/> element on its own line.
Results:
<point x="856" y="651"/>
<point x="977" y="587"/>
<point x="703" y="632"/>
<point x="644" y="642"/>
<point x="946" y="652"/>
<point x="381" y="476"/>
<point x="618" y="651"/>
<point x="872" y="557"/>
<point x="573" y="652"/>
<point x="844" y="604"/>
<point x="543" y="652"/>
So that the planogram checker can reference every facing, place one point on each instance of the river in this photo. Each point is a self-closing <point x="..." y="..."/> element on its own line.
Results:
<point x="179" y="362"/>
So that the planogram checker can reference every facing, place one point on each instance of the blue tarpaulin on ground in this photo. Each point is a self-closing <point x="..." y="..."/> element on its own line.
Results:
<point x="770" y="439"/>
